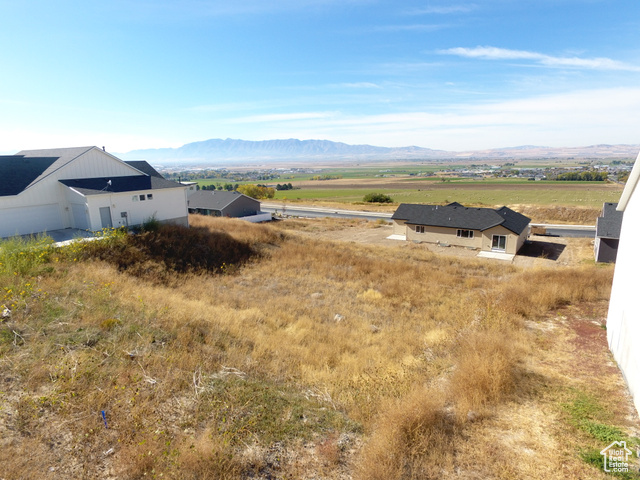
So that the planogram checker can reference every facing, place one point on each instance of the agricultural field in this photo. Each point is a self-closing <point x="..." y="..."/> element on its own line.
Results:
<point x="239" y="351"/>
<point x="433" y="183"/>
<point x="487" y="192"/>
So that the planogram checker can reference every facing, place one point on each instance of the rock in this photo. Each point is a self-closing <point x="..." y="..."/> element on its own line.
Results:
<point x="316" y="295"/>
<point x="338" y="318"/>
<point x="6" y="313"/>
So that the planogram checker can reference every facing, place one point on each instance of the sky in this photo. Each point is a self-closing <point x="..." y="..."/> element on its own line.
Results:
<point x="441" y="74"/>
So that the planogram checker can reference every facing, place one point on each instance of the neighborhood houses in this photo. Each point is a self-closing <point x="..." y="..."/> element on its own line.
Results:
<point x="84" y="188"/>
<point x="501" y="230"/>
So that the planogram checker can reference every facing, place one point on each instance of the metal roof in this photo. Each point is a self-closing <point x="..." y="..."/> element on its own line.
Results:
<point x="102" y="185"/>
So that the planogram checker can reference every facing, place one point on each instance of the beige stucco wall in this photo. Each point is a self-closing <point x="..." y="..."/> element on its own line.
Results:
<point x="514" y="242"/>
<point x="481" y="240"/>
<point x="443" y="235"/>
<point x="399" y="227"/>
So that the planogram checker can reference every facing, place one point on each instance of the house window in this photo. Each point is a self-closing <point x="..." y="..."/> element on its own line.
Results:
<point x="419" y="228"/>
<point x="134" y="198"/>
<point x="465" y="233"/>
<point x="150" y="196"/>
<point x="499" y="242"/>
<point x="142" y="197"/>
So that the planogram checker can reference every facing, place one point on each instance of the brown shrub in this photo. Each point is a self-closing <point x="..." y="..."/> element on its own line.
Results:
<point x="485" y="372"/>
<point x="172" y="249"/>
<point x="413" y="439"/>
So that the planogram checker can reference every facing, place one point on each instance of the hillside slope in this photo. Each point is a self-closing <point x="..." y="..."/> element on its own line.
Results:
<point x="299" y="358"/>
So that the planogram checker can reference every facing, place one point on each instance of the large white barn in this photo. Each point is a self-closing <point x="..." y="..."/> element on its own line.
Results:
<point x="85" y="188"/>
<point x="623" y="320"/>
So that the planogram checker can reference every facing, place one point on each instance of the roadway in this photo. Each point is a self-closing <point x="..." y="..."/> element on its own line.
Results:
<point x="587" y="231"/>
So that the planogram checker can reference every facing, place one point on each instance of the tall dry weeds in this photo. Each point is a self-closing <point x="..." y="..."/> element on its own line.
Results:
<point x="329" y="334"/>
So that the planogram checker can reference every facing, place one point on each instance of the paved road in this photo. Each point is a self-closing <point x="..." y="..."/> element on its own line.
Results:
<point x="587" y="231"/>
<point x="315" y="212"/>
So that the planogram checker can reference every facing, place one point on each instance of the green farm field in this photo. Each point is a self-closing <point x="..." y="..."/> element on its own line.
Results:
<point x="486" y="192"/>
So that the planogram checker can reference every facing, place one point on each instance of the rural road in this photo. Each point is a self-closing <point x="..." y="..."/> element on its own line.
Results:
<point x="311" y="212"/>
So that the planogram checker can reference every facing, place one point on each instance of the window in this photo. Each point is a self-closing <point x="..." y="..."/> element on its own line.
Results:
<point x="465" y="233"/>
<point x="419" y="228"/>
<point x="134" y="198"/>
<point x="499" y="242"/>
<point x="150" y="196"/>
<point x="142" y="197"/>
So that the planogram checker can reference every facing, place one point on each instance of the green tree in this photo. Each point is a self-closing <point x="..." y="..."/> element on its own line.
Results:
<point x="377" y="198"/>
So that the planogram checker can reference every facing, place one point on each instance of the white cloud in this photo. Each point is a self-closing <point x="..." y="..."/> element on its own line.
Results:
<point x="576" y="119"/>
<point x="359" y="85"/>
<point x="442" y="10"/>
<point x="280" y="117"/>
<point x="410" y="28"/>
<point x="495" y="53"/>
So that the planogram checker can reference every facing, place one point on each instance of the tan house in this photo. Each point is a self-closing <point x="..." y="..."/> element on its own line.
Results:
<point x="500" y="230"/>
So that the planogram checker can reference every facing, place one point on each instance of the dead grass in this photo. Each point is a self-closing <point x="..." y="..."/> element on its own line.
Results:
<point x="559" y="214"/>
<point x="305" y="343"/>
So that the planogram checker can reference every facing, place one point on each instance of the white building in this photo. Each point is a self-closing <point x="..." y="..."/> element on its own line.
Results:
<point x="623" y="320"/>
<point x="85" y="188"/>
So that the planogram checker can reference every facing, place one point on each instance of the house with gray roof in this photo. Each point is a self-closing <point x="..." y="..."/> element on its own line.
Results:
<point x="499" y="230"/>
<point x="607" y="239"/>
<point x="84" y="188"/>
<point x="222" y="203"/>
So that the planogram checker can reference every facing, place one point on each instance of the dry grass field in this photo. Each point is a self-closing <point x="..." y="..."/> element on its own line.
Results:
<point x="233" y="350"/>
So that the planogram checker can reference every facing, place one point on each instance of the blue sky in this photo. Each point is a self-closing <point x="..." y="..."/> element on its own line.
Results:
<point x="443" y="74"/>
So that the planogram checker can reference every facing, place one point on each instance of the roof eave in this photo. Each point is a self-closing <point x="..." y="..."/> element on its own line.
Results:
<point x="630" y="186"/>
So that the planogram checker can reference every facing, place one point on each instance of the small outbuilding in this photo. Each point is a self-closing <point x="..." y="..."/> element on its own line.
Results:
<point x="501" y="230"/>
<point x="608" y="233"/>
<point x="221" y="203"/>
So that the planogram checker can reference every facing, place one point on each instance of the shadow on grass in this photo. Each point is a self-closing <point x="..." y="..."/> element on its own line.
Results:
<point x="539" y="249"/>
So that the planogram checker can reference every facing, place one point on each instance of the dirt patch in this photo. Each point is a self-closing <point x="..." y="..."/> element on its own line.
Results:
<point x="540" y="251"/>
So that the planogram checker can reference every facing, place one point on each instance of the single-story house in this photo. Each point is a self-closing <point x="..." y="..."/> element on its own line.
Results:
<point x="500" y="230"/>
<point x="85" y="188"/>
<point x="607" y="233"/>
<point x="222" y="203"/>
<point x="623" y="319"/>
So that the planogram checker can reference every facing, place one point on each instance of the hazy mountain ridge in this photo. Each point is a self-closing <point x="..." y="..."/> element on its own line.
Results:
<point x="235" y="150"/>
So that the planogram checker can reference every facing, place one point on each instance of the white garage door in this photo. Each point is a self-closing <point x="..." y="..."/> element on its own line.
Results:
<point x="26" y="220"/>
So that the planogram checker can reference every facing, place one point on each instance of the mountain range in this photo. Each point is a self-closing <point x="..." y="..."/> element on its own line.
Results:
<point x="232" y="151"/>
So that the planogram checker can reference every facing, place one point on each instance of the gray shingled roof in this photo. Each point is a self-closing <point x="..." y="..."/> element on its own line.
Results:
<point x="608" y="225"/>
<point x="17" y="172"/>
<point x="214" y="199"/>
<point x="455" y="215"/>
<point x="144" y="167"/>
<point x="97" y="186"/>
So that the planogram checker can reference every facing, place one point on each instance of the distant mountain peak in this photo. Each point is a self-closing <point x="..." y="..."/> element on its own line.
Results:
<point x="217" y="151"/>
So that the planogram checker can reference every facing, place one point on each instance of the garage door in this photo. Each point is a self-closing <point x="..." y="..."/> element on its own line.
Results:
<point x="26" y="220"/>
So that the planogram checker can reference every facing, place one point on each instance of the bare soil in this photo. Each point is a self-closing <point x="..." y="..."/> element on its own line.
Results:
<point x="539" y="251"/>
